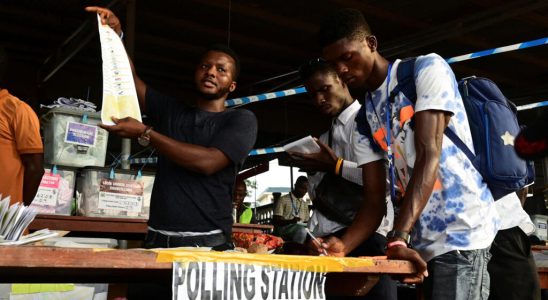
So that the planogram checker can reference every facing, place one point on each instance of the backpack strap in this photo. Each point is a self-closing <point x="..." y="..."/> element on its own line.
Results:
<point x="406" y="84"/>
<point x="460" y="144"/>
<point x="365" y="129"/>
<point x="406" y="79"/>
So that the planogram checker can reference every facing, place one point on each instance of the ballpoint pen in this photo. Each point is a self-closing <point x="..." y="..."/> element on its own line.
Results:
<point x="316" y="240"/>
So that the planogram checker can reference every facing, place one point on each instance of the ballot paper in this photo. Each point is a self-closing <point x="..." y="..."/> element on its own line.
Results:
<point x="119" y="94"/>
<point x="305" y="145"/>
<point x="14" y="220"/>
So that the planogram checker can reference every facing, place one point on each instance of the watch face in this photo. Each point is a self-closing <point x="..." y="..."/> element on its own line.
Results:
<point x="143" y="141"/>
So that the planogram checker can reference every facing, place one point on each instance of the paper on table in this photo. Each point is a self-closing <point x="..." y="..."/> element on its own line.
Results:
<point x="31" y="238"/>
<point x="305" y="145"/>
<point x="27" y="288"/>
<point x="14" y="220"/>
<point x="119" y="95"/>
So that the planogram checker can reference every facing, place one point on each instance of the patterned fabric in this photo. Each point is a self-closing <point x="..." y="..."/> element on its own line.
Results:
<point x="460" y="214"/>
<point x="289" y="207"/>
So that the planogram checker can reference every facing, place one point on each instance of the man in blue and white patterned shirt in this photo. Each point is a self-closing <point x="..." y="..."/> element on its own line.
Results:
<point x="446" y="208"/>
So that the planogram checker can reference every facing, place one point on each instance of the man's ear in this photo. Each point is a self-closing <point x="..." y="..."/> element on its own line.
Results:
<point x="232" y="86"/>
<point x="371" y="43"/>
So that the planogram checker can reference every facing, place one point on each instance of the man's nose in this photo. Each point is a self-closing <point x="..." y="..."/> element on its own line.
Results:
<point x="211" y="71"/>
<point x="319" y="99"/>
<point x="341" y="68"/>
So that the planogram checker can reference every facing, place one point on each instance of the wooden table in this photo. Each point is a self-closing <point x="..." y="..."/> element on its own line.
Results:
<point x="48" y="264"/>
<point x="118" y="228"/>
<point x="253" y="228"/>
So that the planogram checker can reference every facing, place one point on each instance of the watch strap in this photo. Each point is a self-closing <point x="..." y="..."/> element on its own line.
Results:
<point x="399" y="234"/>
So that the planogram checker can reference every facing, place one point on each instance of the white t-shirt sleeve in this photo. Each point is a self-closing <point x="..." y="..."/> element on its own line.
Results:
<point x="361" y="145"/>
<point x="436" y="85"/>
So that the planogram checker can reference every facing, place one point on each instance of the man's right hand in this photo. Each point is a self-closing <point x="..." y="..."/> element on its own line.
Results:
<point x="107" y="18"/>
<point x="323" y="161"/>
<point x="333" y="245"/>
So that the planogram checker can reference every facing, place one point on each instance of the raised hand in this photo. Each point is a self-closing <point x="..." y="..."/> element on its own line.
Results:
<point x="323" y="161"/>
<point x="107" y="17"/>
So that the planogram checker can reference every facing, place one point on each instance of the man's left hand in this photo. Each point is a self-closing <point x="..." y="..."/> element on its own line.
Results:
<point x="413" y="256"/>
<point x="323" y="161"/>
<point x="127" y="127"/>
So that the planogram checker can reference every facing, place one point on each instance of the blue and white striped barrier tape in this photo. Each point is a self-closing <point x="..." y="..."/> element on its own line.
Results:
<point x="533" y="105"/>
<point x="266" y="96"/>
<point x="300" y="90"/>
<point x="492" y="51"/>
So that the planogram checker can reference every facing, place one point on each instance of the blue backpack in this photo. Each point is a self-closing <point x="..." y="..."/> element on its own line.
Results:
<point x="493" y="124"/>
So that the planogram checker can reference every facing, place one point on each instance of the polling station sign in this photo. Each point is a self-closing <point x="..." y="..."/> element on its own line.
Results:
<point x="227" y="281"/>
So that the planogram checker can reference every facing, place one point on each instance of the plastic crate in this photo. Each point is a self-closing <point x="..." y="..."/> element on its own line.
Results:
<point x="56" y="192"/>
<point x="541" y="226"/>
<point x="124" y="196"/>
<point x="72" y="138"/>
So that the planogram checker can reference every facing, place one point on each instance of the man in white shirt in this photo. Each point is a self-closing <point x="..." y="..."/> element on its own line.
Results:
<point x="331" y="96"/>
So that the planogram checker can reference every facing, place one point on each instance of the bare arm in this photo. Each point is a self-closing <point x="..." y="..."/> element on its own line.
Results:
<point x="34" y="169"/>
<point x="108" y="17"/>
<point x="325" y="161"/>
<point x="199" y="159"/>
<point x="369" y="217"/>
<point x="430" y="126"/>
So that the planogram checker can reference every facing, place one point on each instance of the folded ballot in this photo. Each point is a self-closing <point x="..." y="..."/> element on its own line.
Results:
<point x="305" y="145"/>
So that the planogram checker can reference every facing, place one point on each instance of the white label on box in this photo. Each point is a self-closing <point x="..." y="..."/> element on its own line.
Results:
<point x="48" y="192"/>
<point x="121" y="195"/>
<point x="81" y="134"/>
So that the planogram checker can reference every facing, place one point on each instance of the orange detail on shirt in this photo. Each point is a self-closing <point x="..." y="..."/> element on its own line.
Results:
<point x="406" y="113"/>
<point x="437" y="185"/>
<point x="19" y="134"/>
<point x="380" y="138"/>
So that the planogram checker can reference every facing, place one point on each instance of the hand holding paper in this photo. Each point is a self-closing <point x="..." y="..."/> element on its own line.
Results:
<point x="323" y="160"/>
<point x="119" y="94"/>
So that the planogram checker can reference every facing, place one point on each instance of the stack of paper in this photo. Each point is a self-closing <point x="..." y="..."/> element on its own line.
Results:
<point x="14" y="219"/>
<point x="305" y="145"/>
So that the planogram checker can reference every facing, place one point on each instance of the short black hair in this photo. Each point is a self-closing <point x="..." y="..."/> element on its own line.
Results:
<point x="301" y="180"/>
<point x="228" y="51"/>
<point x="344" y="23"/>
<point x="315" y="66"/>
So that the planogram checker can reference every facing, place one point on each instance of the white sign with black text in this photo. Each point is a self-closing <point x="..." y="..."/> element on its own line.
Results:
<point x="227" y="281"/>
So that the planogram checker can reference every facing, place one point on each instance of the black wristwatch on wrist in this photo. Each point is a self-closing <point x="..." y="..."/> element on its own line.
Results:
<point x="399" y="235"/>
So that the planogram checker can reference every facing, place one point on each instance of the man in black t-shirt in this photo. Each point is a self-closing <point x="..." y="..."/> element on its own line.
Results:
<point x="201" y="151"/>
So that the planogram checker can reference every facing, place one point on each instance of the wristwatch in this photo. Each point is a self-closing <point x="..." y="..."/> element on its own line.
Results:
<point x="400" y="235"/>
<point x="144" y="138"/>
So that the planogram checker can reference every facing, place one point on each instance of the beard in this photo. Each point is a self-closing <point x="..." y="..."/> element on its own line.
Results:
<point x="223" y="91"/>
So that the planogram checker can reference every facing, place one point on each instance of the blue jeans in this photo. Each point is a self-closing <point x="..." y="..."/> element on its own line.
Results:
<point x="459" y="275"/>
